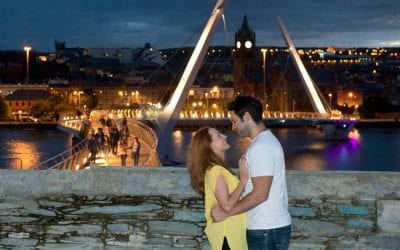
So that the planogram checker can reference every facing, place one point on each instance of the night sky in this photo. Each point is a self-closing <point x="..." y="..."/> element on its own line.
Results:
<point x="178" y="23"/>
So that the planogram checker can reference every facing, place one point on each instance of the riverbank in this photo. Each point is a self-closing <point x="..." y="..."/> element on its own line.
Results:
<point x="28" y="125"/>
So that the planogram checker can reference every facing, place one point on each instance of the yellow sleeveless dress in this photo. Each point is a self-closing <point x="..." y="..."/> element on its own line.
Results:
<point x="234" y="227"/>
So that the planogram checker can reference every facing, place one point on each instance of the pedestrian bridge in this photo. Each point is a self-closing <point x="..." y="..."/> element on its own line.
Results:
<point x="336" y="128"/>
<point x="76" y="157"/>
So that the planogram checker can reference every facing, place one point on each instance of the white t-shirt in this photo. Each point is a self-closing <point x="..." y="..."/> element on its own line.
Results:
<point x="265" y="157"/>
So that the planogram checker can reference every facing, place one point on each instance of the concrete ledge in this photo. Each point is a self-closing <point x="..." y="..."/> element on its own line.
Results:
<point x="98" y="181"/>
<point x="345" y="184"/>
<point x="172" y="181"/>
<point x="155" y="208"/>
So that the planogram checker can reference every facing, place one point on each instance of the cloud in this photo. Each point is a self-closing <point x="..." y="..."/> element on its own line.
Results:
<point x="131" y="23"/>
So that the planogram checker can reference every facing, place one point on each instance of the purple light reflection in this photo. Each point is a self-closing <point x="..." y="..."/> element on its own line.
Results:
<point x="345" y="153"/>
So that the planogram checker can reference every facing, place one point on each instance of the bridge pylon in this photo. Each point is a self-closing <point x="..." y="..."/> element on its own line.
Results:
<point x="167" y="120"/>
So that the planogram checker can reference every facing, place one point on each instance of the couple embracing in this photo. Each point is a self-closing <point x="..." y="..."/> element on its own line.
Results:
<point x="250" y="212"/>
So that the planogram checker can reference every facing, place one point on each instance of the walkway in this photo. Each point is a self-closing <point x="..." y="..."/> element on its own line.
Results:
<point x="115" y="160"/>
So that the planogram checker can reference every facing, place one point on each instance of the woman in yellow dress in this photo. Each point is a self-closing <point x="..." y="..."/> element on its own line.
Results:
<point x="214" y="181"/>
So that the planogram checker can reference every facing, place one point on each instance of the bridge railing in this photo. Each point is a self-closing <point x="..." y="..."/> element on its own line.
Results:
<point x="76" y="156"/>
<point x="71" y="159"/>
<point x="138" y="129"/>
<point x="309" y="115"/>
<point x="294" y="115"/>
<point x="149" y="137"/>
<point x="70" y="121"/>
<point x="224" y="115"/>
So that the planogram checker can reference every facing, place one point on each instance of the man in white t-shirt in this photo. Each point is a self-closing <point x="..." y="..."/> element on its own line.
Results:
<point x="265" y="199"/>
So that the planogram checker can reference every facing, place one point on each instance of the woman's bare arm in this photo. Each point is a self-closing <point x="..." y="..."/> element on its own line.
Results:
<point x="228" y="200"/>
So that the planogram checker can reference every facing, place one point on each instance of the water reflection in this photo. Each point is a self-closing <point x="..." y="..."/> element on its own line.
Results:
<point x="30" y="147"/>
<point x="178" y="145"/>
<point x="345" y="155"/>
<point x="307" y="162"/>
<point x="307" y="149"/>
<point x="355" y="135"/>
<point x="22" y="154"/>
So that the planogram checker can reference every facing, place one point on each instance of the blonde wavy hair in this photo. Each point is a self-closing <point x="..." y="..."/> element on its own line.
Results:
<point x="200" y="157"/>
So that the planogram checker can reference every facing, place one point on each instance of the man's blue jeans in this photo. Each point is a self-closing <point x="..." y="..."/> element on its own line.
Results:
<point x="271" y="239"/>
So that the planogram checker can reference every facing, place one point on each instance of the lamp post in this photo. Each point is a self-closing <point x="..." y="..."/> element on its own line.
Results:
<point x="283" y="100"/>
<point x="27" y="49"/>
<point x="137" y="96"/>
<point x="206" y="94"/>
<point x="293" y="105"/>
<point x="79" y="98"/>
<point x="264" y="51"/>
<point x="351" y="97"/>
<point x="330" y="100"/>
<point x="215" y="92"/>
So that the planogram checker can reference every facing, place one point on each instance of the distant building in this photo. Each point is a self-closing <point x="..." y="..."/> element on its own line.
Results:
<point x="146" y="55"/>
<point x="63" y="52"/>
<point x="246" y="66"/>
<point x="21" y="101"/>
<point x="123" y="55"/>
<point x="110" y="94"/>
<point x="350" y="97"/>
<point x="7" y="89"/>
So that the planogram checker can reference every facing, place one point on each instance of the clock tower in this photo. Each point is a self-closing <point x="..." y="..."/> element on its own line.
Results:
<point x="246" y="67"/>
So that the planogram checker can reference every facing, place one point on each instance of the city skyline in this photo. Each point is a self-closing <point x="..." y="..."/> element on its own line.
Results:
<point x="177" y="23"/>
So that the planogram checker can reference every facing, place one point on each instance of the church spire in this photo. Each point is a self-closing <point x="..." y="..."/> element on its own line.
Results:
<point x="245" y="29"/>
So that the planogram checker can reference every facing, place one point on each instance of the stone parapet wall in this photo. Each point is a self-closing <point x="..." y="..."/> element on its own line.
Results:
<point x="155" y="208"/>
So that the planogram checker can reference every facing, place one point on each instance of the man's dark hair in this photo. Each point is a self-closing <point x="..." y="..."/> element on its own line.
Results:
<point x="243" y="104"/>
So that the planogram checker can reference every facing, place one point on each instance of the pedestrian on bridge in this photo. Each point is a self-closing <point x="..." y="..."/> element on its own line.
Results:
<point x="114" y="138"/>
<point x="135" y="153"/>
<point x="92" y="147"/>
<point x="123" y="150"/>
<point x="99" y="136"/>
<point x="106" y="147"/>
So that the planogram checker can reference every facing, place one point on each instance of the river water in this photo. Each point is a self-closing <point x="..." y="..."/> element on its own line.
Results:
<point x="368" y="149"/>
<point x="26" y="148"/>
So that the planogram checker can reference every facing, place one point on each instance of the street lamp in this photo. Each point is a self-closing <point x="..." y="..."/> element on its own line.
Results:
<point x="264" y="51"/>
<point x="330" y="100"/>
<point x="137" y="96"/>
<point x="293" y="105"/>
<point x="27" y="49"/>
<point x="206" y="94"/>
<point x="283" y="100"/>
<point x="215" y="92"/>
<point x="79" y="97"/>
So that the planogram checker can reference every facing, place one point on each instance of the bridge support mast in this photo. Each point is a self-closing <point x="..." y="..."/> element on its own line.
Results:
<point x="167" y="120"/>
<point x="301" y="70"/>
